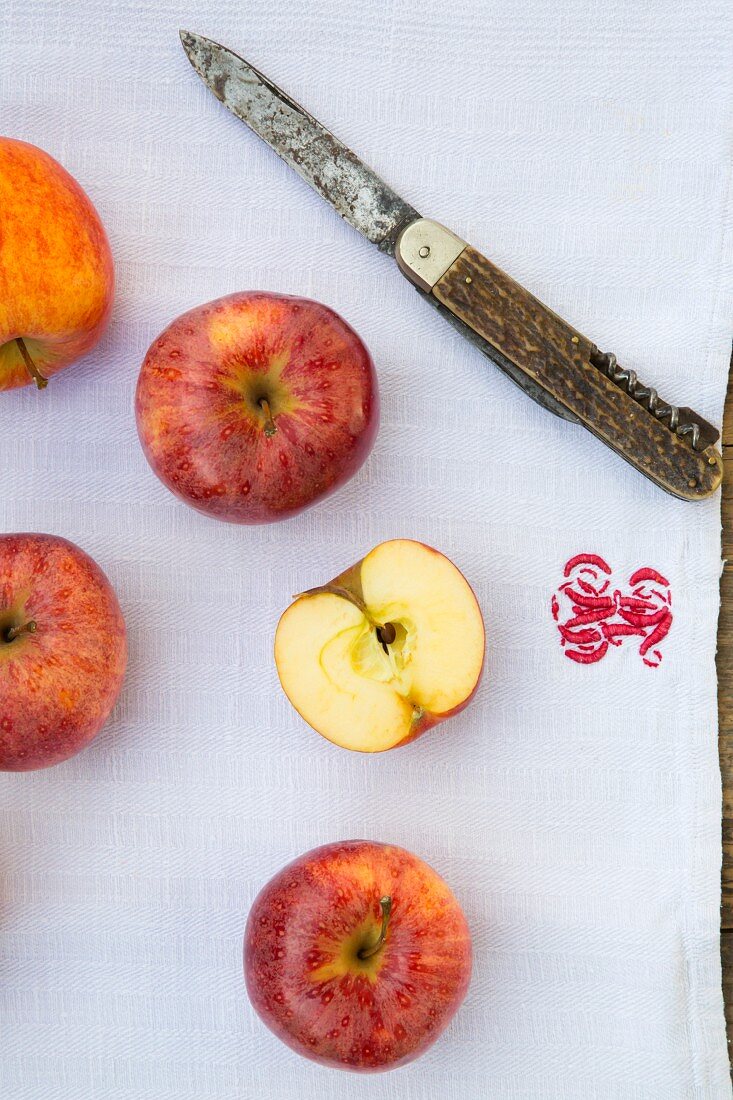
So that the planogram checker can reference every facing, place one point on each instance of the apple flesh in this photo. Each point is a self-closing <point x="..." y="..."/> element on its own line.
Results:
<point x="388" y="649"/>
<point x="62" y="650"/>
<point x="56" y="274"/>
<point x="357" y="955"/>
<point x="252" y="407"/>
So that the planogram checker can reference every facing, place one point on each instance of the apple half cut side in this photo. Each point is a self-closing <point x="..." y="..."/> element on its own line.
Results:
<point x="388" y="649"/>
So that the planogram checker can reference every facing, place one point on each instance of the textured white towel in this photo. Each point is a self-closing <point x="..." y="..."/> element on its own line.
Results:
<point x="574" y="808"/>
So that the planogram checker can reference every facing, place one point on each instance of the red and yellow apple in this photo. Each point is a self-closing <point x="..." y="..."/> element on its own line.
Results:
<point x="357" y="955"/>
<point x="62" y="650"/>
<point x="391" y="647"/>
<point x="254" y="406"/>
<point x="56" y="274"/>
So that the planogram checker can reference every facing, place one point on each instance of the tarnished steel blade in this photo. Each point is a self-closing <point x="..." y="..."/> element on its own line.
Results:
<point x="354" y="191"/>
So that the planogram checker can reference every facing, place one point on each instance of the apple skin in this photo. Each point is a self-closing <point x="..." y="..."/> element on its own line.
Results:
<point x="58" y="684"/>
<point x="56" y="273"/>
<point x="306" y="981"/>
<point x="203" y="429"/>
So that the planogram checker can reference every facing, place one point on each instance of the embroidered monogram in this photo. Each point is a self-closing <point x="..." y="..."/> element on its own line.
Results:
<point x="592" y="613"/>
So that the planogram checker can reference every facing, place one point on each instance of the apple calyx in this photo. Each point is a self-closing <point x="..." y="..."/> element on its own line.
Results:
<point x="40" y="379"/>
<point x="14" y="632"/>
<point x="270" y="425"/>
<point x="385" y="904"/>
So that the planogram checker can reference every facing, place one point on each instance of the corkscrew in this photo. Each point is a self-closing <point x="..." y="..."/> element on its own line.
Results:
<point x="685" y="422"/>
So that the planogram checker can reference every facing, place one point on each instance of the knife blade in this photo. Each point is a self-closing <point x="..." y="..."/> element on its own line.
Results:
<point x="554" y="363"/>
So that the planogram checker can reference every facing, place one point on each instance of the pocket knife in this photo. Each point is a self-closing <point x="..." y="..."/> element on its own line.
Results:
<point x="556" y="365"/>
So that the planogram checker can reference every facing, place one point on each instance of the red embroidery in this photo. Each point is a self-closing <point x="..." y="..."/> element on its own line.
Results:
<point x="591" y="616"/>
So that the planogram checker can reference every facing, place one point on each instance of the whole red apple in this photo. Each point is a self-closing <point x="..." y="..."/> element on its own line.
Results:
<point x="56" y="274"/>
<point x="62" y="650"/>
<point x="357" y="955"/>
<point x="254" y="406"/>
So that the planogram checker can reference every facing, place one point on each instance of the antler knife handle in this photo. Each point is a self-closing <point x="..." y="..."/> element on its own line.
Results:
<point x="671" y="446"/>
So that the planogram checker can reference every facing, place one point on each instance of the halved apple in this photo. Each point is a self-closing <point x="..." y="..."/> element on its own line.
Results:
<point x="388" y="649"/>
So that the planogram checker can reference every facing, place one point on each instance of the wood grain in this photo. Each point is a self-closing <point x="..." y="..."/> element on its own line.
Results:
<point x="725" y="713"/>
<point x="570" y="367"/>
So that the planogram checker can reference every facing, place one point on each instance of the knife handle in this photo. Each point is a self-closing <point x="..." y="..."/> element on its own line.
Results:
<point x="671" y="446"/>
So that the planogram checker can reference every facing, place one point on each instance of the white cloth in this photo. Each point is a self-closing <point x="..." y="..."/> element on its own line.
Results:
<point x="574" y="809"/>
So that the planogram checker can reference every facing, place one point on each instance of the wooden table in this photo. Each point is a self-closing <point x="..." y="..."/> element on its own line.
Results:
<point x="725" y="713"/>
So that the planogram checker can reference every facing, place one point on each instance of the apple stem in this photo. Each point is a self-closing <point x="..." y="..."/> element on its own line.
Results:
<point x="16" y="631"/>
<point x="385" y="904"/>
<point x="40" y="379"/>
<point x="270" y="427"/>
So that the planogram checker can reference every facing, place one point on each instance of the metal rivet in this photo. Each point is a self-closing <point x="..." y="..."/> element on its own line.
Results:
<point x="574" y="339"/>
<point x="712" y="462"/>
<point x="692" y="482"/>
<point x="424" y="251"/>
<point x="469" y="279"/>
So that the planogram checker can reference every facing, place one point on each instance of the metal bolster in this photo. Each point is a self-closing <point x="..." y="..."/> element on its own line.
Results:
<point x="425" y="250"/>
